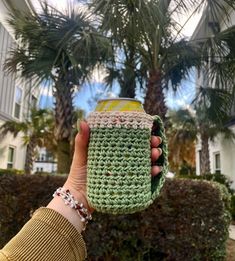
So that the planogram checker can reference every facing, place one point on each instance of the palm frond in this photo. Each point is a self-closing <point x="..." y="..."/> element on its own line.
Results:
<point x="14" y="128"/>
<point x="182" y="6"/>
<point x="216" y="54"/>
<point x="112" y="76"/>
<point x="213" y="106"/>
<point x="181" y="130"/>
<point x="177" y="61"/>
<point x="52" y="43"/>
<point x="184" y="122"/>
<point x="38" y="127"/>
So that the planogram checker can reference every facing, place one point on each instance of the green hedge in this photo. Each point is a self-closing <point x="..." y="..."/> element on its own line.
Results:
<point x="189" y="221"/>
<point x="220" y="178"/>
<point x="11" y="171"/>
<point x="217" y="177"/>
<point x="233" y="207"/>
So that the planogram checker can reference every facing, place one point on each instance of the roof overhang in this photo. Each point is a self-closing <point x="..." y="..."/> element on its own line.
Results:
<point x="9" y="6"/>
<point x="21" y="5"/>
<point x="204" y="28"/>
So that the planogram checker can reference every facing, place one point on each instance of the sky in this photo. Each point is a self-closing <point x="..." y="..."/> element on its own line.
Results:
<point x="94" y="90"/>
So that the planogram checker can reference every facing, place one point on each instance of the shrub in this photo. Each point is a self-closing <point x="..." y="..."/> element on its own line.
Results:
<point x="233" y="207"/>
<point x="189" y="221"/>
<point x="218" y="177"/>
<point x="20" y="195"/>
<point x="11" y="171"/>
<point x="186" y="169"/>
<point x="43" y="173"/>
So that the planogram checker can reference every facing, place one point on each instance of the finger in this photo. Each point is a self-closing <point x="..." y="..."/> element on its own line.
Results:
<point x="82" y="137"/>
<point x="81" y="146"/>
<point x="155" y="170"/>
<point x="155" y="141"/>
<point x="155" y="153"/>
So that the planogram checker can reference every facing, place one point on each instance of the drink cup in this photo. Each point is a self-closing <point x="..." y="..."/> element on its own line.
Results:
<point x="119" y="157"/>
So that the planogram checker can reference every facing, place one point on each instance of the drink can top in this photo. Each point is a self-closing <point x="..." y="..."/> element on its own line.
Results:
<point x="119" y="104"/>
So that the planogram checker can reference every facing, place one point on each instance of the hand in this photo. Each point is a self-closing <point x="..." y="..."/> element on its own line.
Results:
<point x="155" y="154"/>
<point x="76" y="181"/>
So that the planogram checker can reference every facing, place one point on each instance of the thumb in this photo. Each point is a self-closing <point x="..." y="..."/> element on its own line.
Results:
<point x="81" y="146"/>
<point x="82" y="137"/>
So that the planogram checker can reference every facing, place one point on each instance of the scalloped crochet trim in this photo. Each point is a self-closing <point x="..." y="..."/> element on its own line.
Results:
<point x="119" y="119"/>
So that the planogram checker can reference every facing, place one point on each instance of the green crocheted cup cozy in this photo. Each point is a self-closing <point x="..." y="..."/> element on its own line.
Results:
<point x="119" y="164"/>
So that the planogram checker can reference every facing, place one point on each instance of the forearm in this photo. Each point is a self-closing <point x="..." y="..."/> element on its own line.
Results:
<point x="53" y="233"/>
<point x="70" y="214"/>
<point x="46" y="236"/>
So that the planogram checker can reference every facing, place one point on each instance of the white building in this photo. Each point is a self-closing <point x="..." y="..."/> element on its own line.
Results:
<point x="222" y="151"/>
<point x="45" y="162"/>
<point x="15" y="95"/>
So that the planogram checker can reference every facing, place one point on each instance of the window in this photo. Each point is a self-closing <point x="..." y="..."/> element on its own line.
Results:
<point x="49" y="156"/>
<point x="18" y="101"/>
<point x="10" y="159"/>
<point x="200" y="161"/>
<point x="217" y="162"/>
<point x="233" y="110"/>
<point x="43" y="157"/>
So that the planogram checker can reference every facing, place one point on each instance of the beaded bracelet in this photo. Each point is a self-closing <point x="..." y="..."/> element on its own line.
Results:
<point x="69" y="199"/>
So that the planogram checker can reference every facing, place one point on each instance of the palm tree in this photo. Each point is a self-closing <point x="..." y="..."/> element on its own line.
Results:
<point x="181" y="135"/>
<point x="209" y="118"/>
<point x="212" y="107"/>
<point x="61" y="48"/>
<point x="125" y="67"/>
<point x="37" y="130"/>
<point x="163" y="54"/>
<point x="165" y="58"/>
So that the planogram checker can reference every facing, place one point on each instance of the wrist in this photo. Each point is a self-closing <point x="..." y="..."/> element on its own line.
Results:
<point x="70" y="214"/>
<point x="78" y="193"/>
<point x="72" y="204"/>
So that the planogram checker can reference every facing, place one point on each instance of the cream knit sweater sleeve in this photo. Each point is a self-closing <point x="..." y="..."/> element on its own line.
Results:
<point x="47" y="236"/>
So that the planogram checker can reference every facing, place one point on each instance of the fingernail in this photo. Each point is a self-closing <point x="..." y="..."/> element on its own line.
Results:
<point x="156" y="170"/>
<point x="79" y="121"/>
<point x="78" y="125"/>
<point x="160" y="139"/>
<point x="160" y="151"/>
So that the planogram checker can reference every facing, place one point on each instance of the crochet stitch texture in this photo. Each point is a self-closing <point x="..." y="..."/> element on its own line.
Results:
<point x="119" y="163"/>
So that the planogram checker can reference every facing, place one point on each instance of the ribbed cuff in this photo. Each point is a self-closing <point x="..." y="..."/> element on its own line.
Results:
<point x="46" y="236"/>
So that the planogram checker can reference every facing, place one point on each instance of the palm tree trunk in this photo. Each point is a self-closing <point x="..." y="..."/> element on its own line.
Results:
<point x="128" y="85"/>
<point x="30" y="153"/>
<point x="63" y="126"/>
<point x="63" y="156"/>
<point x="205" y="156"/>
<point x="154" y="103"/>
